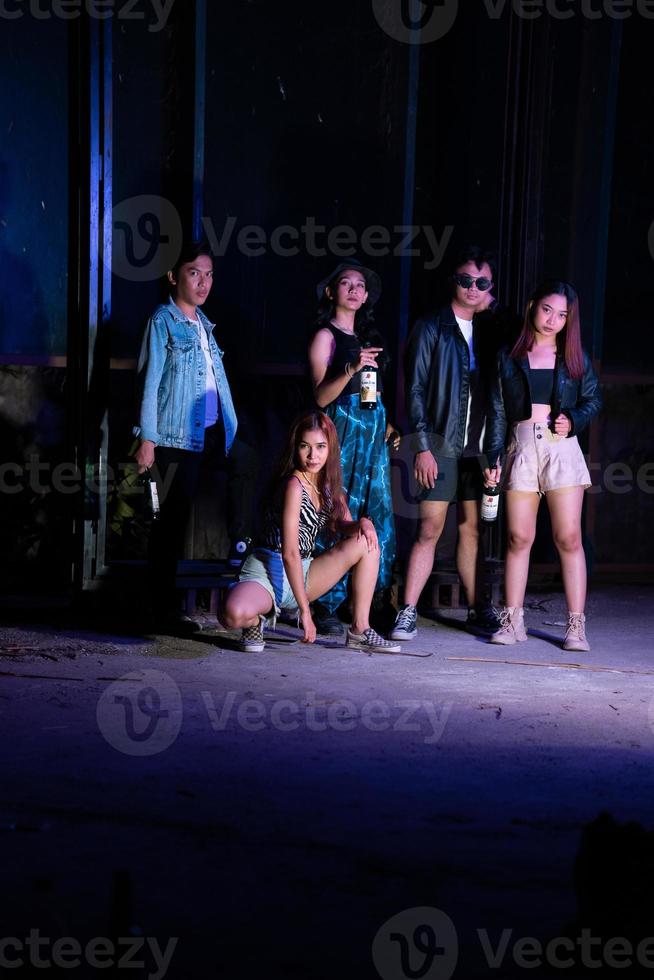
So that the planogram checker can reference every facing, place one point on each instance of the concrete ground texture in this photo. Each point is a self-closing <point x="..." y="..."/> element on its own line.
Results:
<point x="178" y="808"/>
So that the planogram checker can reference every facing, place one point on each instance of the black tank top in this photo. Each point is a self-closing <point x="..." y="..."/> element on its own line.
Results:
<point x="541" y="382"/>
<point x="347" y="350"/>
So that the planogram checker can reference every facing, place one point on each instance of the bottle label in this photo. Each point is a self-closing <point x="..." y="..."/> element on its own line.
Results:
<point x="489" y="506"/>
<point x="154" y="498"/>
<point x="368" y="392"/>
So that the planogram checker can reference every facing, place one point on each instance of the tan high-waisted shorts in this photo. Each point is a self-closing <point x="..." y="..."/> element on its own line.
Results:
<point x="537" y="460"/>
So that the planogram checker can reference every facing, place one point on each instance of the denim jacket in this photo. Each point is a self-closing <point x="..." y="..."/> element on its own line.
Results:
<point x="172" y="385"/>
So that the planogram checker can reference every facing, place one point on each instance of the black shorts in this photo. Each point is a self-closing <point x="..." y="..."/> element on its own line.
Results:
<point x="458" y="479"/>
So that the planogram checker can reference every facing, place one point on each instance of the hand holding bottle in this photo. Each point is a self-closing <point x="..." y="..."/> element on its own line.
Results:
<point x="490" y="499"/>
<point x="367" y="359"/>
<point x="492" y="476"/>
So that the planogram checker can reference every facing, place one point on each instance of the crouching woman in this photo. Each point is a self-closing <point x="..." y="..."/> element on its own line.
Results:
<point x="282" y="573"/>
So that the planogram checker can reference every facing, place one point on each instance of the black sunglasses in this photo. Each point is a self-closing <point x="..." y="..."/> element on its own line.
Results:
<point x="465" y="281"/>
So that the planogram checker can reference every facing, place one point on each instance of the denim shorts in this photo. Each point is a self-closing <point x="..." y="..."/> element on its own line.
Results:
<point x="538" y="460"/>
<point x="266" y="568"/>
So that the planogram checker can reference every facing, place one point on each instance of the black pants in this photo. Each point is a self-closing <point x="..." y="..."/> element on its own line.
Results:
<point x="177" y="472"/>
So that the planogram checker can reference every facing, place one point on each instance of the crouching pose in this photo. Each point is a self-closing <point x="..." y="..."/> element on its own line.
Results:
<point x="282" y="574"/>
<point x="544" y="393"/>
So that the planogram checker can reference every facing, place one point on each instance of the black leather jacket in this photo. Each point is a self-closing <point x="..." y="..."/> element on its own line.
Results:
<point x="437" y="379"/>
<point x="510" y="401"/>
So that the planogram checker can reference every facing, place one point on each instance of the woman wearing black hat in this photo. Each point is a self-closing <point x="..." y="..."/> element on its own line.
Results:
<point x="345" y="343"/>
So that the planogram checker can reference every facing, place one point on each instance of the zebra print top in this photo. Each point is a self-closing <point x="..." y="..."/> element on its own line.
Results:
<point x="312" y="522"/>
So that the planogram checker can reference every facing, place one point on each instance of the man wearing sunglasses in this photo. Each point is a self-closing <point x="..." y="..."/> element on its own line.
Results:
<point x="448" y="359"/>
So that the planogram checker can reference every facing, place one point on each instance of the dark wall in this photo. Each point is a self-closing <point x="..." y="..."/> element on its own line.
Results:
<point x="463" y="80"/>
<point x="305" y="122"/>
<point x="33" y="186"/>
<point x="142" y="99"/>
<point x="629" y="338"/>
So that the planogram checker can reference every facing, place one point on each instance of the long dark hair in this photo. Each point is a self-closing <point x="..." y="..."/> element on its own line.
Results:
<point x="364" y="326"/>
<point x="568" y="340"/>
<point x="330" y="477"/>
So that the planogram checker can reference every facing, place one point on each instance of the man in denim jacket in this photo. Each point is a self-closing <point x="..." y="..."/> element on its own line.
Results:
<point x="186" y="414"/>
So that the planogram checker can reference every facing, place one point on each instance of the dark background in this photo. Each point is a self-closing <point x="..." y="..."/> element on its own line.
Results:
<point x="531" y="136"/>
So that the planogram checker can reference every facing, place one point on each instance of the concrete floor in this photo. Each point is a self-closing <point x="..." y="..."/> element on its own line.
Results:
<point x="274" y="812"/>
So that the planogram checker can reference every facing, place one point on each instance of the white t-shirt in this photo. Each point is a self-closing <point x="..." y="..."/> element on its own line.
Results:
<point x="211" y="396"/>
<point x="476" y="414"/>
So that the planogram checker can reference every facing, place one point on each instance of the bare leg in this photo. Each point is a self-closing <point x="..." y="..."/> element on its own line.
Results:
<point x="330" y="566"/>
<point x="565" y="511"/>
<point x="421" y="559"/>
<point x="245" y="603"/>
<point x="521" y="512"/>
<point x="467" y="549"/>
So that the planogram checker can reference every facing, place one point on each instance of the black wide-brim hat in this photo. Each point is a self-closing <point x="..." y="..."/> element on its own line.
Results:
<point x="373" y="282"/>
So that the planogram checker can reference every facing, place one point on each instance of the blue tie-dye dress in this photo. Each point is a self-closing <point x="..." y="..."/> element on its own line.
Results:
<point x="366" y="467"/>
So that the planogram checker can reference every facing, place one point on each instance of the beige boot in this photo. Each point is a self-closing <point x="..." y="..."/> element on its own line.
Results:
<point x="575" y="634"/>
<point x="512" y="629"/>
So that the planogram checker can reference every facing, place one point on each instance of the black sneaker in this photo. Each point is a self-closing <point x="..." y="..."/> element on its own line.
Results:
<point x="406" y="627"/>
<point x="239" y="552"/>
<point x="327" y="623"/>
<point x="382" y="613"/>
<point x="483" y="618"/>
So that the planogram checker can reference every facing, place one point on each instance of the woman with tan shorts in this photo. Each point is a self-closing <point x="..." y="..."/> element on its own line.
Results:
<point x="545" y="393"/>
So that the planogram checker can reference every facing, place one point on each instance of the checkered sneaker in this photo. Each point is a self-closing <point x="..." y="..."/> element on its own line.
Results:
<point x="252" y="640"/>
<point x="372" y="641"/>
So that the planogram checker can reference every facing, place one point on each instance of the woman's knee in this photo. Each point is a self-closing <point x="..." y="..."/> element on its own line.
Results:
<point x="520" y="540"/>
<point x="357" y="550"/>
<point x="229" y="614"/>
<point x="568" y="541"/>
<point x="235" y="612"/>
